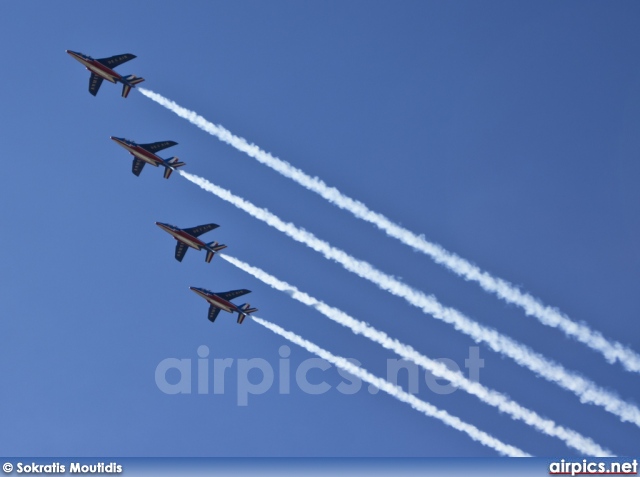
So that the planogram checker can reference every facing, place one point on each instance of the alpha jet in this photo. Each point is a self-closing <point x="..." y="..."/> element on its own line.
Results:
<point x="189" y="238"/>
<point x="146" y="153"/>
<point x="102" y="69"/>
<point x="220" y="301"/>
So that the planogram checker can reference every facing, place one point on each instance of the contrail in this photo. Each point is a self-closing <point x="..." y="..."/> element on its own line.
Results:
<point x="612" y="350"/>
<point x="397" y="392"/>
<point x="573" y="439"/>
<point x="587" y="391"/>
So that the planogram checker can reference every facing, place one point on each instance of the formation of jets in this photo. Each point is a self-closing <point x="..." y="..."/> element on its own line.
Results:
<point x="102" y="69"/>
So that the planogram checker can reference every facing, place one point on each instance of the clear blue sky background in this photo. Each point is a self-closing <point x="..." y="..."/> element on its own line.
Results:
<point x="507" y="132"/>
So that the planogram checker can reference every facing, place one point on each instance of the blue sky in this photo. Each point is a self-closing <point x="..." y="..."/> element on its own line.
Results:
<point x="506" y="132"/>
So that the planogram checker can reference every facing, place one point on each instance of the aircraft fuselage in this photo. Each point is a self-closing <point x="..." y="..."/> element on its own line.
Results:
<point x="182" y="236"/>
<point x="216" y="301"/>
<point x="138" y="152"/>
<point x="96" y="67"/>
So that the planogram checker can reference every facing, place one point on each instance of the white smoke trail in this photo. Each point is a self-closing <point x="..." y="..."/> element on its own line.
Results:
<point x="397" y="392"/>
<point x="612" y="350"/>
<point x="587" y="391"/>
<point x="573" y="439"/>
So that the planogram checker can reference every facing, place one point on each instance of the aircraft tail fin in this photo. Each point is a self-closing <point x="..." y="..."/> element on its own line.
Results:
<point x="171" y="165"/>
<point x="129" y="82"/>
<point x="246" y="310"/>
<point x="214" y="247"/>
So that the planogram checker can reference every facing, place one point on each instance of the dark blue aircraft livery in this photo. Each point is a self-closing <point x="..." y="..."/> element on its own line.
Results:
<point x="220" y="301"/>
<point x="102" y="69"/>
<point x="189" y="238"/>
<point x="145" y="154"/>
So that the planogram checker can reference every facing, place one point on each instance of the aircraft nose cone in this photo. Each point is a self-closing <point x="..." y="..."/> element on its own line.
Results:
<point x="198" y="291"/>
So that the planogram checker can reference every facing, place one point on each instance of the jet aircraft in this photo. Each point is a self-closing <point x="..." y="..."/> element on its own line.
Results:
<point x="220" y="301"/>
<point x="102" y="69"/>
<point x="189" y="238"/>
<point x="146" y="153"/>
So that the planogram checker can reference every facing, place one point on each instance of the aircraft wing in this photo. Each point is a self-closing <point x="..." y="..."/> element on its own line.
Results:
<point x="213" y="313"/>
<point x="181" y="249"/>
<point x="157" y="146"/>
<point x="200" y="229"/>
<point x="117" y="60"/>
<point x="138" y="164"/>
<point x="230" y="295"/>
<point x="94" y="83"/>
